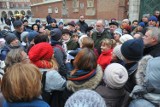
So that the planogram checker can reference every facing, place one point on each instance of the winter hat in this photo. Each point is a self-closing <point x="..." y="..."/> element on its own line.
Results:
<point x="72" y="23"/>
<point x="31" y="35"/>
<point x="125" y="37"/>
<point x="10" y="37"/>
<point x="115" y="76"/>
<point x="114" y="23"/>
<point x="142" y="24"/>
<point x="53" y="20"/>
<point x="41" y="55"/>
<point x="132" y="49"/>
<point x="56" y="34"/>
<point x="85" y="98"/>
<point x="24" y="35"/>
<point x="117" y="51"/>
<point x="153" y="18"/>
<point x="37" y="21"/>
<point x="66" y="31"/>
<point x="119" y="31"/>
<point x="17" y="23"/>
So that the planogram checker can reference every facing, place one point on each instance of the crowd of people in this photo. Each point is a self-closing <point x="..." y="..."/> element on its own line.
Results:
<point x="74" y="64"/>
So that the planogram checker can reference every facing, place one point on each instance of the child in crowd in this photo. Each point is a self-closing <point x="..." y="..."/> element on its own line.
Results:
<point x="106" y="52"/>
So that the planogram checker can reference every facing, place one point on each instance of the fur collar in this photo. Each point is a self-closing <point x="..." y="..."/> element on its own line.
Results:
<point x="141" y="71"/>
<point x="90" y="84"/>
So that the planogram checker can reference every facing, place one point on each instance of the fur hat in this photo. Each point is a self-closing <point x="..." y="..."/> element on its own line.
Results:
<point x="132" y="49"/>
<point x="115" y="75"/>
<point x="119" y="31"/>
<point x="41" y="58"/>
<point x="56" y="34"/>
<point x="125" y="37"/>
<point x="85" y="98"/>
<point x="10" y="37"/>
<point x="17" y="23"/>
<point x="117" y="51"/>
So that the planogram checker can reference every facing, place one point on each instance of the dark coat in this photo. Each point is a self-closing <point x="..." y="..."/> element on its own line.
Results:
<point x="97" y="37"/>
<point x="114" y="97"/>
<point x="153" y="50"/>
<point x="83" y="26"/>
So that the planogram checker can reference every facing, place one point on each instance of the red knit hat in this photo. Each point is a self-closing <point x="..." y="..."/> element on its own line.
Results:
<point x="41" y="55"/>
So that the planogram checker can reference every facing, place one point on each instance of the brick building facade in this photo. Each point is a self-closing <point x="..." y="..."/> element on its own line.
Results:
<point x="91" y="9"/>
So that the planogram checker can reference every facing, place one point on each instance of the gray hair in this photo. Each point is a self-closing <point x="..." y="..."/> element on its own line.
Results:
<point x="13" y="56"/>
<point x="155" y="32"/>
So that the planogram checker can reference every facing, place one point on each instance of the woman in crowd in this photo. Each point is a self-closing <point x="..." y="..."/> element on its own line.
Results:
<point x="24" y="88"/>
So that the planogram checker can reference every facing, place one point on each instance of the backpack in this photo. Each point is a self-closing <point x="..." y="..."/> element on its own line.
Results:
<point x="47" y="96"/>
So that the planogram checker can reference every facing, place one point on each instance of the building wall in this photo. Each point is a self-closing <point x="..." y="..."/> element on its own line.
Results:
<point x="102" y="9"/>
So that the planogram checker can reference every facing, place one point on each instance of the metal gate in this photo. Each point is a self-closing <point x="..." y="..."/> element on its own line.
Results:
<point x="149" y="6"/>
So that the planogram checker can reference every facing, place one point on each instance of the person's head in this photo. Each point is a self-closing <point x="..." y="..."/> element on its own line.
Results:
<point x="85" y="60"/>
<point x="117" y="34"/>
<point x="11" y="39"/>
<point x="151" y="37"/>
<point x="116" y="54"/>
<point x="132" y="50"/>
<point x="138" y="35"/>
<point x="152" y="21"/>
<point x="25" y="22"/>
<point x="125" y="38"/>
<point x="140" y="26"/>
<point x="81" y="18"/>
<point x="135" y="23"/>
<point x="145" y="18"/>
<point x="125" y="22"/>
<point x="115" y="76"/>
<point x="75" y="37"/>
<point x="113" y="26"/>
<point x="43" y="59"/>
<point x="107" y="44"/>
<point x="56" y="34"/>
<point x="66" y="35"/>
<point x="24" y="36"/>
<point x="88" y="43"/>
<point x="35" y="27"/>
<point x="71" y="26"/>
<point x="156" y="13"/>
<point x="85" y="98"/>
<point x="126" y="29"/>
<point x="15" y="56"/>
<point x="18" y="26"/>
<point x="53" y="23"/>
<point x="41" y="38"/>
<point x="25" y="86"/>
<point x="38" y="21"/>
<point x="81" y="40"/>
<point x="100" y="25"/>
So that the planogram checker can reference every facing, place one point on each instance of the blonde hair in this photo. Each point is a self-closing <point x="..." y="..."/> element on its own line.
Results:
<point x="21" y="82"/>
<point x="108" y="42"/>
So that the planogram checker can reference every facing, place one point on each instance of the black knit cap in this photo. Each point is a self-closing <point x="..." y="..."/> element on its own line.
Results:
<point x="132" y="49"/>
<point x="66" y="31"/>
<point x="17" y="23"/>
